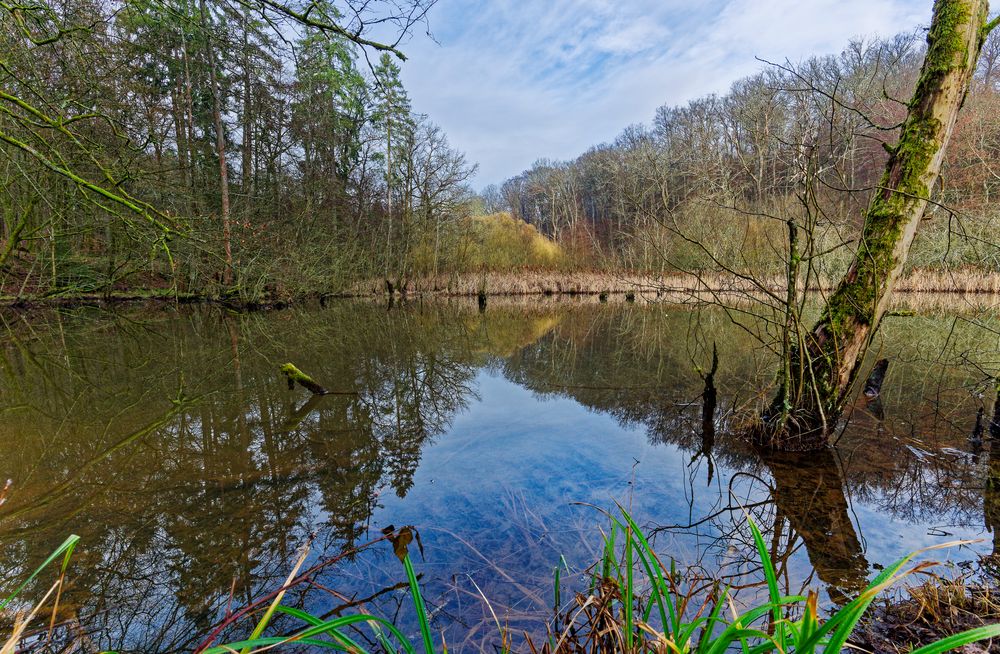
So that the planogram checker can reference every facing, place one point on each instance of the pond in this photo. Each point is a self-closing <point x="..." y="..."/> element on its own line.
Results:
<point x="168" y="440"/>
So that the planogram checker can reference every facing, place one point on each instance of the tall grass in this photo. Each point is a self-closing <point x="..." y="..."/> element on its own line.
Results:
<point x="635" y="603"/>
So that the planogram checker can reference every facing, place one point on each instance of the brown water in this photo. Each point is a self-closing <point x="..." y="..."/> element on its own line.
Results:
<point x="169" y="442"/>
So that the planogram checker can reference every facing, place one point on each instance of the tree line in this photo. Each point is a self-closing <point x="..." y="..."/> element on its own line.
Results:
<point x="247" y="147"/>
<point x="230" y="146"/>
<point x="817" y="174"/>
<point x="709" y="185"/>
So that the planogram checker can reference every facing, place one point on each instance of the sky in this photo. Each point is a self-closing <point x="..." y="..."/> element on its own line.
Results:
<point x="514" y="81"/>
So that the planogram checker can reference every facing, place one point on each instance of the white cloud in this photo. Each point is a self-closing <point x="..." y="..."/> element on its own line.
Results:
<point x="513" y="81"/>
<point x="632" y="36"/>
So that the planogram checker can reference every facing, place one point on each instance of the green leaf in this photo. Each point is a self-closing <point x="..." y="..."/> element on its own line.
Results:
<point x="771" y="577"/>
<point x="958" y="640"/>
<point x="65" y="550"/>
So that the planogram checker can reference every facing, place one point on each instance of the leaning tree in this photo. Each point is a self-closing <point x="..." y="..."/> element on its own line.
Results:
<point x="824" y="365"/>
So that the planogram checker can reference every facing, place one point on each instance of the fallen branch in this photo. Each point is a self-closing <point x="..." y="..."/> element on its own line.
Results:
<point x="294" y="375"/>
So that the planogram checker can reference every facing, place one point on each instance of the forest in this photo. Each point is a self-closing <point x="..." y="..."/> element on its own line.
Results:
<point x="219" y="149"/>
<point x="212" y="149"/>
<point x="709" y="185"/>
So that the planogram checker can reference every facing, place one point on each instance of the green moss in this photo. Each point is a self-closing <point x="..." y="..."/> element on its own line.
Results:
<point x="854" y="304"/>
<point x="296" y="376"/>
<point x="945" y="45"/>
<point x="856" y="300"/>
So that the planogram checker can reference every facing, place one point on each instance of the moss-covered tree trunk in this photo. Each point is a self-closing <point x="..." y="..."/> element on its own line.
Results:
<point x="825" y="366"/>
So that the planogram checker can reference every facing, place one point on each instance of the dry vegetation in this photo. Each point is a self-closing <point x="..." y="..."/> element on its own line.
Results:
<point x="928" y="612"/>
<point x="649" y="286"/>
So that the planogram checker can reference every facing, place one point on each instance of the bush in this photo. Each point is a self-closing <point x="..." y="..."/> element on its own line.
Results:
<point x="500" y="242"/>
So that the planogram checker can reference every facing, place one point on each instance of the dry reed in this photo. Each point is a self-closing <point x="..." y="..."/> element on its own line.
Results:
<point x="553" y="282"/>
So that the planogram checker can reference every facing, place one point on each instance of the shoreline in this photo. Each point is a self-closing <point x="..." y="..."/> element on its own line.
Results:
<point x="532" y="282"/>
<point x="644" y="288"/>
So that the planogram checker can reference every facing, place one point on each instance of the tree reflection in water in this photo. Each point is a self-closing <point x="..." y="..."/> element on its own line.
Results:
<point x="171" y="445"/>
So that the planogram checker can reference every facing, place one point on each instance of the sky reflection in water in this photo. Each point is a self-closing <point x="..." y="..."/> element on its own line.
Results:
<point x="489" y="433"/>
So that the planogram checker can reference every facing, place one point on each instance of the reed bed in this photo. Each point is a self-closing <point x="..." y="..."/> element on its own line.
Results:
<point x="968" y="281"/>
<point x="555" y="282"/>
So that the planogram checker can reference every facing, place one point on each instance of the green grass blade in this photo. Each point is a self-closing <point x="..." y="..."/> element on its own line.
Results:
<point x="300" y="614"/>
<point x="65" y="550"/>
<point x="661" y="593"/>
<point x="418" y="603"/>
<point x="629" y="621"/>
<point x="349" y="643"/>
<point x="687" y="629"/>
<point x="713" y="619"/>
<point x="345" y="621"/>
<point x="271" y="641"/>
<point x="264" y="621"/>
<point x="958" y="640"/>
<point x="771" y="577"/>
<point x="732" y="634"/>
<point x="648" y="610"/>
<point x="653" y="569"/>
<point x="557" y="598"/>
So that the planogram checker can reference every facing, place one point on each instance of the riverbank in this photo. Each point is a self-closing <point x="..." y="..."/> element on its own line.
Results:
<point x="605" y="285"/>
<point x="653" y="286"/>
<point x="934" y="610"/>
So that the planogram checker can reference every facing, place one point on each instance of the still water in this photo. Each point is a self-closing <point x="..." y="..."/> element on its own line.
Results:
<point x="169" y="442"/>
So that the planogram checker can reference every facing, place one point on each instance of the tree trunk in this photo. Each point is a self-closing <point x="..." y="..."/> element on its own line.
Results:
<point x="824" y="370"/>
<point x="188" y="105"/>
<point x="177" y="102"/>
<point x="246" y="180"/>
<point x="220" y="148"/>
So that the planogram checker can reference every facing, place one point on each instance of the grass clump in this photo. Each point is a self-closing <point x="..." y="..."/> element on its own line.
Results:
<point x="638" y="603"/>
<point x="25" y="613"/>
<point x="932" y="610"/>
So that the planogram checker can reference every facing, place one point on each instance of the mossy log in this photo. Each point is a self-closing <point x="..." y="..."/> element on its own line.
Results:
<point x="825" y="365"/>
<point x="296" y="376"/>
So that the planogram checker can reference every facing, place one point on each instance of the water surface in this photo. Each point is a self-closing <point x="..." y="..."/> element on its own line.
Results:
<point x="169" y="442"/>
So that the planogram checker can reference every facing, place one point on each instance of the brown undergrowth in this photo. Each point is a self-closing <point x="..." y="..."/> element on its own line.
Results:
<point x="652" y="286"/>
<point x="934" y="609"/>
<point x="920" y="290"/>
